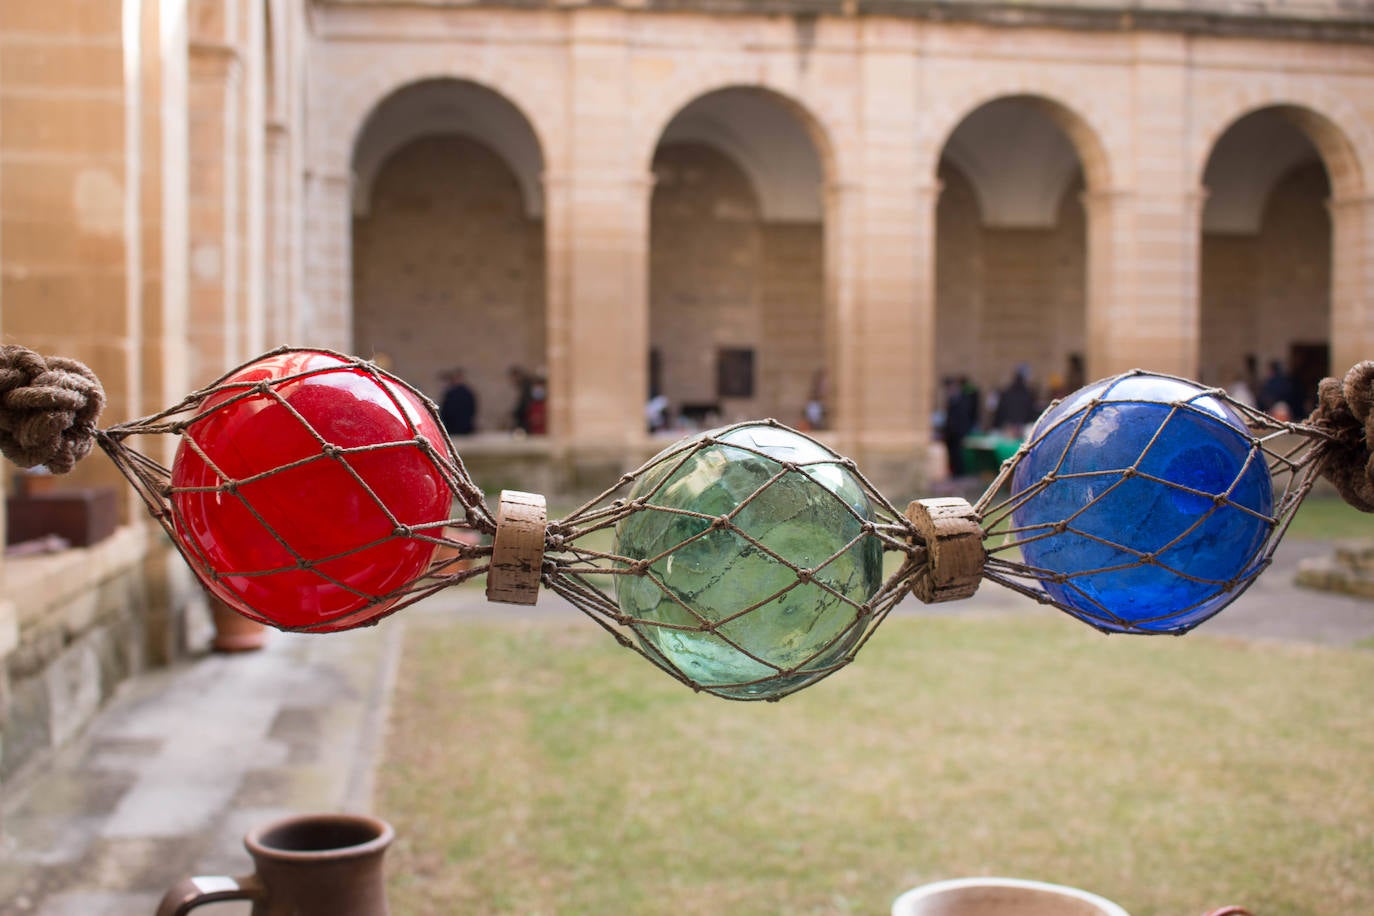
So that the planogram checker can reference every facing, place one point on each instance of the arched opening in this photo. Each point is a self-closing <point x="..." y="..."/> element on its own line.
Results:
<point x="1011" y="266"/>
<point x="448" y="246"/>
<point x="737" y="286"/>
<point x="1265" y="278"/>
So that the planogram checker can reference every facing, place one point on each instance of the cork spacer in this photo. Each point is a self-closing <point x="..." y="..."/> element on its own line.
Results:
<point x="953" y="536"/>
<point x="517" y="552"/>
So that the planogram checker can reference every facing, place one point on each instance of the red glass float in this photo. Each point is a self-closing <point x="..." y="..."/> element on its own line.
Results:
<point x="270" y="491"/>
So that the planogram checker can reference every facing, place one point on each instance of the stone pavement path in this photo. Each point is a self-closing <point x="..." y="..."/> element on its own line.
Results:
<point x="184" y="762"/>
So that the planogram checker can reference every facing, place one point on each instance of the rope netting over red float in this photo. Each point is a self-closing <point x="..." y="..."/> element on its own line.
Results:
<point x="314" y="491"/>
<point x="309" y="490"/>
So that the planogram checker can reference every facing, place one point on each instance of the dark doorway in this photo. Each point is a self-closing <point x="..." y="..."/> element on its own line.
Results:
<point x="1309" y="363"/>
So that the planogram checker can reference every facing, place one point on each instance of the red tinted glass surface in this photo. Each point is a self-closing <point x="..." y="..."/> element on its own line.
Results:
<point x="307" y="545"/>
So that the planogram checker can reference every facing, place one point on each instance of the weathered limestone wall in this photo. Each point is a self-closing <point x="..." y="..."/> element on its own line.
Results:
<point x="880" y="94"/>
<point x="1008" y="297"/>
<point x="720" y="276"/>
<point x="449" y="272"/>
<point x="81" y="277"/>
<point x="116" y="206"/>
<point x="1261" y="291"/>
<point x="82" y="629"/>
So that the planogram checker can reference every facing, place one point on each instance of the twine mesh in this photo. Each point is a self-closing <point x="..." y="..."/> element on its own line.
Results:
<point x="458" y="556"/>
<point x="1293" y="452"/>
<point x="580" y="568"/>
<point x="581" y="564"/>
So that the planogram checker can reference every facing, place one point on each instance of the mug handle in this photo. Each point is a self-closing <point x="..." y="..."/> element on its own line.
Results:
<point x="189" y="893"/>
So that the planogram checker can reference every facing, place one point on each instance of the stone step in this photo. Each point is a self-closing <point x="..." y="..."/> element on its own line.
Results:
<point x="1357" y="555"/>
<point x="1329" y="574"/>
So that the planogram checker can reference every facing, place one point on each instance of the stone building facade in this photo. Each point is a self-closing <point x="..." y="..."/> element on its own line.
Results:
<point x="734" y="204"/>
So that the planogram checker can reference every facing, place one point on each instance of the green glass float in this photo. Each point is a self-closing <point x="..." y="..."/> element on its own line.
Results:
<point x="752" y="561"/>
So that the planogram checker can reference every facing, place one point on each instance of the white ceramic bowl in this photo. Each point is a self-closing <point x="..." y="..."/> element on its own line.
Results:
<point x="1001" y="897"/>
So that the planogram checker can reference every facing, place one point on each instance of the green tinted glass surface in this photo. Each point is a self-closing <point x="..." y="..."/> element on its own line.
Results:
<point x="727" y="612"/>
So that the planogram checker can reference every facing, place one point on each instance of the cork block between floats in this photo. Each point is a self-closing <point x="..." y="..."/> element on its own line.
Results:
<point x="949" y="527"/>
<point x="517" y="552"/>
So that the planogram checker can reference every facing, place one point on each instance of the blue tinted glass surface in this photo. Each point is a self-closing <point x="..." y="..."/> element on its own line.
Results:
<point x="1146" y="543"/>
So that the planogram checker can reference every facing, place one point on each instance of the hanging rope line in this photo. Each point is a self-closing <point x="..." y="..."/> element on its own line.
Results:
<point x="943" y="547"/>
<point x="48" y="409"/>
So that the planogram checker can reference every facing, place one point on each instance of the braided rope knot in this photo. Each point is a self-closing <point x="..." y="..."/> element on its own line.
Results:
<point x="1345" y="411"/>
<point x="48" y="409"/>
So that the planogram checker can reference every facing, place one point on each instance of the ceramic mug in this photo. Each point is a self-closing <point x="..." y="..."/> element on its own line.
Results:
<point x="308" y="865"/>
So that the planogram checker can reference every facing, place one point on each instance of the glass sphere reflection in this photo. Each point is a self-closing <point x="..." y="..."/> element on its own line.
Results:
<point x="725" y="611"/>
<point x="1151" y="503"/>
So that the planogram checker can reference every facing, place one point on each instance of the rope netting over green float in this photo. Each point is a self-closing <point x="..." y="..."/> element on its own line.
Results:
<point x="314" y="491"/>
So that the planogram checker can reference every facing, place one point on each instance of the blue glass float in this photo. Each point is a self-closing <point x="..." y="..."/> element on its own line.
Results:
<point x="1147" y="504"/>
<point x="721" y="523"/>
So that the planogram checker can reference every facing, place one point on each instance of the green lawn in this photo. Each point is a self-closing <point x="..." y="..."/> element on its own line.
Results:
<point x="1327" y="517"/>
<point x="537" y="768"/>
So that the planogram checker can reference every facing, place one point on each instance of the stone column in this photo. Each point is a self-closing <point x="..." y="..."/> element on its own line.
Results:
<point x="327" y="309"/>
<point x="1352" y="281"/>
<point x="887" y="332"/>
<point x="215" y="73"/>
<point x="252" y="151"/>
<point x="596" y="252"/>
<point x="162" y="341"/>
<point x="597" y="243"/>
<point x="70" y="197"/>
<point x="1111" y="315"/>
<point x="844" y="338"/>
<point x="277" y="305"/>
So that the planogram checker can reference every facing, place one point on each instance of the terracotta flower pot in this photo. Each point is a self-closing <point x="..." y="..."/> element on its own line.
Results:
<point x="446" y="553"/>
<point x="233" y="631"/>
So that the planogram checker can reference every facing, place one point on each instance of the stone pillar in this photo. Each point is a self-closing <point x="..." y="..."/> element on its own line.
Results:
<point x="252" y="152"/>
<point x="1352" y="281"/>
<point x="887" y="352"/>
<point x="596" y="252"/>
<point x="1162" y="285"/>
<point x="597" y="238"/>
<point x="163" y="214"/>
<point x="1111" y="317"/>
<point x="1168" y="250"/>
<point x="327" y="307"/>
<point x="70" y="196"/>
<point x="842" y="322"/>
<point x="213" y="331"/>
<point x="278" y="308"/>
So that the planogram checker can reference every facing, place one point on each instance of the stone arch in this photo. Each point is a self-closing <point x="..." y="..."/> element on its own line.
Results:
<point x="357" y="91"/>
<point x="1335" y="127"/>
<point x="1012" y="254"/>
<point x="1274" y="266"/>
<point x="449" y="106"/>
<point x="821" y="117"/>
<point x="738" y="255"/>
<point x="1087" y="140"/>
<point x="448" y="263"/>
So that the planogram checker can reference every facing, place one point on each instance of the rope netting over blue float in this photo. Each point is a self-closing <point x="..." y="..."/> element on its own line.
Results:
<point x="314" y="491"/>
<point x="1146" y="503"/>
